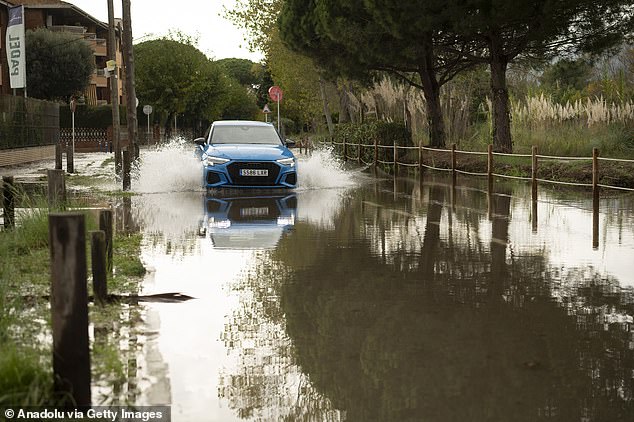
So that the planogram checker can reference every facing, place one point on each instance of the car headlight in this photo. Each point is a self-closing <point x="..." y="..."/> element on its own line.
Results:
<point x="289" y="162"/>
<point x="213" y="161"/>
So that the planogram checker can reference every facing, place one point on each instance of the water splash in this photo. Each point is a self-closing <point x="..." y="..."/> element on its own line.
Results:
<point x="174" y="168"/>
<point x="171" y="167"/>
<point x="324" y="170"/>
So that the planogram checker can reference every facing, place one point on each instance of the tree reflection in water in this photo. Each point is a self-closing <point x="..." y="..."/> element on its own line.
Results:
<point x="408" y="311"/>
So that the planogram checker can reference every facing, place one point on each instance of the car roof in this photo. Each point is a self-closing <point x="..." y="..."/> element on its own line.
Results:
<point x="240" y="123"/>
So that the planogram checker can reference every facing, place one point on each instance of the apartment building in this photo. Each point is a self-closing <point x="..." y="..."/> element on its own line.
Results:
<point x="57" y="15"/>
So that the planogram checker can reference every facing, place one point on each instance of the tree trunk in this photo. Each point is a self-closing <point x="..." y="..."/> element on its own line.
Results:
<point x="435" y="120"/>
<point x="322" y="89"/>
<point x="431" y="89"/>
<point x="168" y="126"/>
<point x="502" y="141"/>
<point x="131" y="99"/>
<point x="113" y="83"/>
<point x="344" y="103"/>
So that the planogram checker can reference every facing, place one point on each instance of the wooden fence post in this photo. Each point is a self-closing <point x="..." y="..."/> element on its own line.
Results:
<point x="99" y="277"/>
<point x="359" y="154"/>
<point x="105" y="225"/>
<point x="595" y="198"/>
<point x="69" y="307"/>
<point x="376" y="152"/>
<point x="8" y="201"/>
<point x="534" y="173"/>
<point x="420" y="158"/>
<point x="56" y="189"/>
<point x="58" y="155"/>
<point x="345" y="150"/>
<point x="70" y="158"/>
<point x="126" y="170"/>
<point x="395" y="157"/>
<point x="453" y="162"/>
<point x="490" y="166"/>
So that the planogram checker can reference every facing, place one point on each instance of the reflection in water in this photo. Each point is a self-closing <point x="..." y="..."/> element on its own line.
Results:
<point x="248" y="222"/>
<point x="394" y="301"/>
<point x="422" y="310"/>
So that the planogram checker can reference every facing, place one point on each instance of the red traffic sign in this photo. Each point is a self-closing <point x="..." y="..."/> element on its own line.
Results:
<point x="266" y="109"/>
<point x="275" y="93"/>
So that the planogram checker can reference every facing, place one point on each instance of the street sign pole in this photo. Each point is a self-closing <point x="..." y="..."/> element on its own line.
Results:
<point x="147" y="109"/>
<point x="275" y="94"/>
<point x="73" y="107"/>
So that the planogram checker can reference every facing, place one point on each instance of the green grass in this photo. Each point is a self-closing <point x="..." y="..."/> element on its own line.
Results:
<point x="562" y="139"/>
<point x="24" y="378"/>
<point x="25" y="367"/>
<point x="107" y="162"/>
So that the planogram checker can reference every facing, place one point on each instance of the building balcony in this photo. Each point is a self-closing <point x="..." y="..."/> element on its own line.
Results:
<point x="99" y="79"/>
<point x="73" y="29"/>
<point x="98" y="46"/>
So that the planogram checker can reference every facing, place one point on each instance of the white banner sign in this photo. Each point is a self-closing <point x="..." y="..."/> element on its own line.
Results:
<point x="16" y="53"/>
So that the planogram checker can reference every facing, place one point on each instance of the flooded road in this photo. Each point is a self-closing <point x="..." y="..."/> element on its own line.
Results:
<point x="363" y="299"/>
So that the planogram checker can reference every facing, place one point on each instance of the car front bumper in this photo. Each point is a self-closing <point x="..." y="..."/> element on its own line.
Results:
<point x="270" y="174"/>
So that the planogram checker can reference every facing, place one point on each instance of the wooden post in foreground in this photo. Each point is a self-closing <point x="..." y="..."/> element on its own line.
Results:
<point x="56" y="188"/>
<point x="69" y="307"/>
<point x="99" y="277"/>
<point x="8" y="201"/>
<point x="105" y="225"/>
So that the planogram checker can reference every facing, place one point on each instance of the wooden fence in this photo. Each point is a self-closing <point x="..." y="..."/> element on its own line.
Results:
<point x="424" y="157"/>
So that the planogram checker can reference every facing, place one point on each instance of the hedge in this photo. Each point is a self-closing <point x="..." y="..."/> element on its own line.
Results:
<point x="385" y="133"/>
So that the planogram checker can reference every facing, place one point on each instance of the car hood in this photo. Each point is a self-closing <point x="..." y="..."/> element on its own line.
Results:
<point x="248" y="151"/>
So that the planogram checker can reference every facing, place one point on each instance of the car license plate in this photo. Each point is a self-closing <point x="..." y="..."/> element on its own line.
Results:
<point x="254" y="172"/>
<point x="254" y="212"/>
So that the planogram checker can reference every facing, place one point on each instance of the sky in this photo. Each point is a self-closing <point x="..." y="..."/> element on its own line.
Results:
<point x="218" y="37"/>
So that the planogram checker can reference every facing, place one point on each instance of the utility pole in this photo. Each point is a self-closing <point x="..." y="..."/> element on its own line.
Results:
<point x="114" y="88"/>
<point x="129" y="78"/>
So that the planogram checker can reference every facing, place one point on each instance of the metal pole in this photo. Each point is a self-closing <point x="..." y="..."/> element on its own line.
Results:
<point x="278" y="113"/>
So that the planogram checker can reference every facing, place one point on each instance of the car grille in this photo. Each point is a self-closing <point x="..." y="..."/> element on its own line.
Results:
<point x="234" y="173"/>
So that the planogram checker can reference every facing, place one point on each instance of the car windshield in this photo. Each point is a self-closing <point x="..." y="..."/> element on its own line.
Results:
<point x="245" y="134"/>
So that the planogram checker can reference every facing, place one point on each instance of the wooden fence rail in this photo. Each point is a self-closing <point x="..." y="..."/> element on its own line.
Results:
<point x="381" y="155"/>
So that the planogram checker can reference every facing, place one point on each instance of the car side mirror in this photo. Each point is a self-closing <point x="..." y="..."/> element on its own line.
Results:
<point x="290" y="143"/>
<point x="200" y="141"/>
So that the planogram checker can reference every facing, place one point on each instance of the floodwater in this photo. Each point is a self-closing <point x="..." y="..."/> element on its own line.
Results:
<point x="358" y="298"/>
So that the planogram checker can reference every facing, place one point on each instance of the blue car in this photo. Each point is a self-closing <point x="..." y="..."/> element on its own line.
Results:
<point x="246" y="154"/>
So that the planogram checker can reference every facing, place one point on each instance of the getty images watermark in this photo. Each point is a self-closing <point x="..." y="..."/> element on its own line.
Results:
<point x="113" y="413"/>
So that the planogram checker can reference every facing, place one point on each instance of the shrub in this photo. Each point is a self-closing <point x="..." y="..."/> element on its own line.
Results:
<point x="384" y="133"/>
